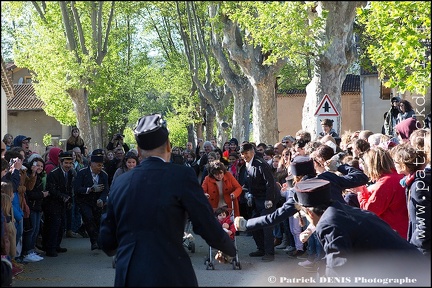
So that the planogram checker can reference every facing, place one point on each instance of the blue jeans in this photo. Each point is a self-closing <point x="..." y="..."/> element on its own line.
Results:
<point x="35" y="218"/>
<point x="314" y="248"/>
<point x="277" y="231"/>
<point x="19" y="227"/>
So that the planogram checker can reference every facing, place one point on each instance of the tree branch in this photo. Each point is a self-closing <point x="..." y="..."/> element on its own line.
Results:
<point x="38" y="9"/>
<point x="79" y="29"/>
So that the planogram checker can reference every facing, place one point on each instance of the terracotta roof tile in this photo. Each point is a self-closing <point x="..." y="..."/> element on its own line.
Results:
<point x="6" y="81"/>
<point x="25" y="98"/>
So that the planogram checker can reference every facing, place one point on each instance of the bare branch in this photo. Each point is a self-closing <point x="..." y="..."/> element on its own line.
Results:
<point x="38" y="9"/>
<point x="68" y="29"/>
<point x="94" y="27"/>
<point x="201" y="44"/>
<point x="79" y="29"/>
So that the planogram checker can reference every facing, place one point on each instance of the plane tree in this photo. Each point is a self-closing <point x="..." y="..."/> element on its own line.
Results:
<point x="321" y="31"/>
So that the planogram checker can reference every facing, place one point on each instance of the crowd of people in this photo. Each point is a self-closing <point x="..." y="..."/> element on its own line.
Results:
<point x="68" y="193"/>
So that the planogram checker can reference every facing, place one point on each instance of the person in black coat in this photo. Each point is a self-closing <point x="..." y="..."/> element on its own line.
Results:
<point x="59" y="187"/>
<point x="147" y="211"/>
<point x="262" y="187"/>
<point x="91" y="191"/>
<point x="357" y="243"/>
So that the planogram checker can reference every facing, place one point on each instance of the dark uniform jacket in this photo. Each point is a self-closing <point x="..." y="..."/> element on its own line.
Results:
<point x="58" y="190"/>
<point x="144" y="225"/>
<point x="260" y="181"/>
<point x="358" y="243"/>
<point x="351" y="177"/>
<point x="84" y="180"/>
<point x="286" y="210"/>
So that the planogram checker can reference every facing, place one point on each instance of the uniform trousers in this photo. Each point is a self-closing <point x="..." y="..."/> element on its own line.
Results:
<point x="91" y="216"/>
<point x="53" y="230"/>
<point x="263" y="237"/>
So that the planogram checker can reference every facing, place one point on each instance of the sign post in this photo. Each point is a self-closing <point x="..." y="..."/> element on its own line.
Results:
<point x="326" y="110"/>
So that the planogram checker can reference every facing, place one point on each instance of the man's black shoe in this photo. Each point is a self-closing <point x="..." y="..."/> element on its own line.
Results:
<point x="61" y="250"/>
<point x="94" y="246"/>
<point x="51" y="254"/>
<point x="257" y="253"/>
<point x="268" y="257"/>
<point x="40" y="247"/>
<point x="82" y="232"/>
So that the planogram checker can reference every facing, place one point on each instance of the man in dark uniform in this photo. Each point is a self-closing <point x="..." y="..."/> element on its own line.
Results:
<point x="147" y="211"/>
<point x="356" y="242"/>
<point x="262" y="187"/>
<point x="59" y="185"/>
<point x="91" y="192"/>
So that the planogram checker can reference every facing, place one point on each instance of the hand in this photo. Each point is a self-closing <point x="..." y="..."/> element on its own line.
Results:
<point x="34" y="169"/>
<point x="17" y="164"/>
<point x="268" y="204"/>
<point x="45" y="193"/>
<point x="225" y="225"/>
<point x="249" y="198"/>
<point x="232" y="196"/>
<point x="304" y="236"/>
<point x="240" y="223"/>
<point x="207" y="195"/>
<point x="97" y="187"/>
<point x="332" y="165"/>
<point x="99" y="203"/>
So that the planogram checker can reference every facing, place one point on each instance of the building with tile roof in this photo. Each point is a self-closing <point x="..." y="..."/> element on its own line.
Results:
<point x="25" y="114"/>
<point x="7" y="92"/>
<point x="290" y="107"/>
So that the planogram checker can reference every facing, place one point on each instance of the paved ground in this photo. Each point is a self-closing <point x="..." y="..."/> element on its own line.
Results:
<point x="82" y="267"/>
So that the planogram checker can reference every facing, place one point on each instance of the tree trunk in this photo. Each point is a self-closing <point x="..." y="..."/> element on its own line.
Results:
<point x="265" y="124"/>
<point x="80" y="99"/>
<point x="242" y="111"/>
<point x="331" y="67"/>
<point x="238" y="83"/>
<point x="262" y="78"/>
<point x="210" y="119"/>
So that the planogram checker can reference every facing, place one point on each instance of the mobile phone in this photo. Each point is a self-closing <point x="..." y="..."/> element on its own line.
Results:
<point x="35" y="163"/>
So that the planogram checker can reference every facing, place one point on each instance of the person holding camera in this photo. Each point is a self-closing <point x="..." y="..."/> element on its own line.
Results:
<point x="59" y="187"/>
<point x="35" y="194"/>
<point x="91" y="191"/>
<point x="117" y="141"/>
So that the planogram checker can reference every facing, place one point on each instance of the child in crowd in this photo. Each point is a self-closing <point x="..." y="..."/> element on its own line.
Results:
<point x="227" y="223"/>
<point x="9" y="239"/>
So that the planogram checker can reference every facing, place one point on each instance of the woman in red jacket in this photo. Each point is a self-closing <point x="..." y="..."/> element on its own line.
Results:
<point x="386" y="197"/>
<point x="220" y="187"/>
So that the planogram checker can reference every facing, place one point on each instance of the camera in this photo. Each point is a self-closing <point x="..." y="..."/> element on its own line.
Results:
<point x="35" y="163"/>
<point x="119" y="136"/>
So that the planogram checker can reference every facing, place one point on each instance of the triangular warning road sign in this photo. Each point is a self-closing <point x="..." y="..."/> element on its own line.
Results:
<point x="326" y="108"/>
